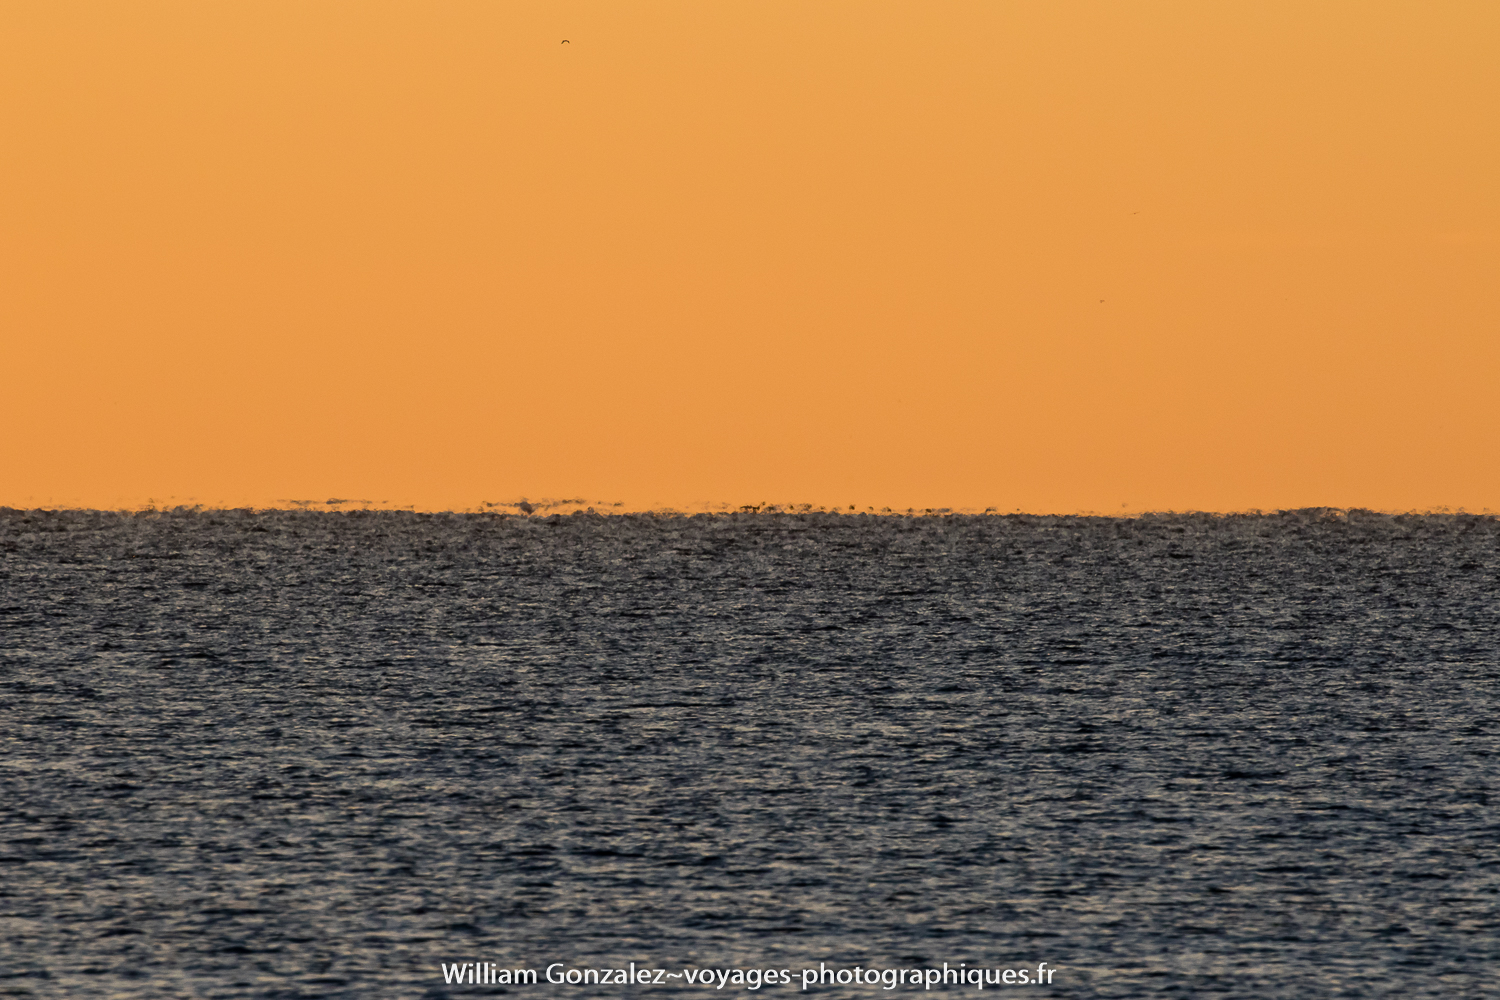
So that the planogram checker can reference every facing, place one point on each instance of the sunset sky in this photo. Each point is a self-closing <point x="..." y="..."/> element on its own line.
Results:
<point x="1050" y="256"/>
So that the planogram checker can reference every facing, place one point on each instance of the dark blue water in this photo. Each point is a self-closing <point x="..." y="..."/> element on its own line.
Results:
<point x="320" y="754"/>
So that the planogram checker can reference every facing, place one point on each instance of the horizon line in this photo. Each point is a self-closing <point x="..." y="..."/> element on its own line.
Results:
<point x="540" y="509"/>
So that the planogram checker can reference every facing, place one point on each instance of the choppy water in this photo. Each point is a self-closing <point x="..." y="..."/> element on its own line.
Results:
<point x="317" y="755"/>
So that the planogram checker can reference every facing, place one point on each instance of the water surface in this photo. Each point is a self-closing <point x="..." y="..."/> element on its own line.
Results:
<point x="297" y="754"/>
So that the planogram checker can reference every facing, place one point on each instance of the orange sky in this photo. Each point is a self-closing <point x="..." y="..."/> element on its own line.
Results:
<point x="1047" y="255"/>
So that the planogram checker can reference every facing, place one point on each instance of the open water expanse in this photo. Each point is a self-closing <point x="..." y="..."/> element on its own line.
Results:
<point x="300" y="754"/>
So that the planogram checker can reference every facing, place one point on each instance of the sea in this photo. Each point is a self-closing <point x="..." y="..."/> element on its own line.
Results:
<point x="386" y="754"/>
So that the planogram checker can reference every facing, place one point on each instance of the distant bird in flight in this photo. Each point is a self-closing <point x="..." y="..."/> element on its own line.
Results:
<point x="565" y="41"/>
